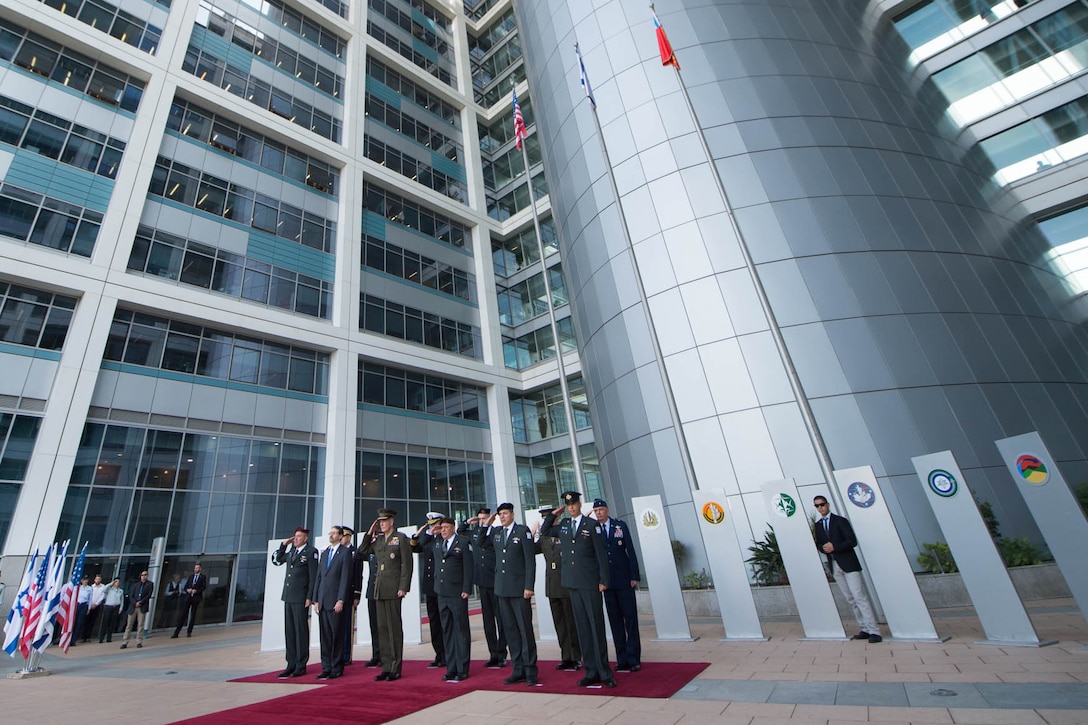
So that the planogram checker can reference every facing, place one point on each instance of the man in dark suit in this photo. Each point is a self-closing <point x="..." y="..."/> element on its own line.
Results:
<point x="421" y="546"/>
<point x="139" y="600"/>
<point x="298" y="592"/>
<point x="585" y="574"/>
<point x="515" y="577"/>
<point x="484" y="576"/>
<point x="836" y="540"/>
<point x="192" y="596"/>
<point x="332" y="598"/>
<point x="393" y="553"/>
<point x="619" y="598"/>
<point x="559" y="600"/>
<point x="453" y="586"/>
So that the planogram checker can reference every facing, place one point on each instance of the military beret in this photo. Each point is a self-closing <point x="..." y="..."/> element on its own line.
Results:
<point x="571" y="497"/>
<point x="384" y="514"/>
<point x="447" y="520"/>
<point x="599" y="503"/>
<point x="505" y="507"/>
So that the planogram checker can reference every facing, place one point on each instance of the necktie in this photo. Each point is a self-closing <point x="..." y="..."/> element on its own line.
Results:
<point x="328" y="560"/>
<point x="505" y="536"/>
<point x="827" y="525"/>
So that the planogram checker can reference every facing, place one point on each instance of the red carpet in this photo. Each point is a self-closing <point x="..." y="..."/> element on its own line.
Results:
<point x="357" y="698"/>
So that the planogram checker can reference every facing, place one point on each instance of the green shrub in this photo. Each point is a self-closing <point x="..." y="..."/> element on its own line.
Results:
<point x="937" y="558"/>
<point x="766" y="560"/>
<point x="1019" y="552"/>
<point x="696" y="580"/>
<point x="1081" y="491"/>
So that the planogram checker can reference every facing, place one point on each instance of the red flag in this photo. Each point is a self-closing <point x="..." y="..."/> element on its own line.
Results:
<point x="668" y="57"/>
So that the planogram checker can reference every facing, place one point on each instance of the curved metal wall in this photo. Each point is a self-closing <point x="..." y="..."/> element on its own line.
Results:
<point x="912" y="298"/>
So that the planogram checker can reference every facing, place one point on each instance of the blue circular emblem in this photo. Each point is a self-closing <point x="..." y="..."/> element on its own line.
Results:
<point x="943" y="483"/>
<point x="861" y="494"/>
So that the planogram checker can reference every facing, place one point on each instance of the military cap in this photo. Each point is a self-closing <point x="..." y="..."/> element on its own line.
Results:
<point x="433" y="517"/>
<point x="571" y="497"/>
<point x="599" y="503"/>
<point x="384" y="514"/>
<point x="545" y="510"/>
<point x="507" y="506"/>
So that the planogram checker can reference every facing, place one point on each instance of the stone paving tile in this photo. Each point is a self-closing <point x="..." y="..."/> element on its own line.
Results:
<point x="818" y="693"/>
<point x="996" y="717"/>
<point x="851" y="713"/>
<point x="897" y="677"/>
<point x="754" y="709"/>
<point x="1026" y="677"/>
<point x="1063" y="717"/>
<point x="836" y="677"/>
<point x="780" y="676"/>
<point x="883" y="714"/>
<point x="1031" y="696"/>
<point x="885" y="693"/>
<point x="965" y="695"/>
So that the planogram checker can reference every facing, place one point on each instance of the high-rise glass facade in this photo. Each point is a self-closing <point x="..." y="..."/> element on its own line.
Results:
<point x="275" y="264"/>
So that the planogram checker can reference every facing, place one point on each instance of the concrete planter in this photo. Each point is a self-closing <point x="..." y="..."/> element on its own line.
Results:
<point x="1043" y="581"/>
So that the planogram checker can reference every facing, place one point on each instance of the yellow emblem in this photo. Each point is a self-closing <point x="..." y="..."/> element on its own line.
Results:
<point x="713" y="512"/>
<point x="650" y="519"/>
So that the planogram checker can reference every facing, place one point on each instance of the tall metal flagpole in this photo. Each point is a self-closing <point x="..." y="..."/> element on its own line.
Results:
<point x="811" y="426"/>
<point x="659" y="357"/>
<point x="572" y="434"/>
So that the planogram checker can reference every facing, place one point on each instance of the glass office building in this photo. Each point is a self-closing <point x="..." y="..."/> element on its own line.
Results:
<point x="274" y="263"/>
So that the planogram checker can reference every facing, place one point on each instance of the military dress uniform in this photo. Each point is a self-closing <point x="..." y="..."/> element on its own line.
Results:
<point x="393" y="573"/>
<point x="421" y="546"/>
<point x="484" y="577"/>
<point x="585" y="568"/>
<point x="452" y="578"/>
<point x="619" y="598"/>
<point x="559" y="601"/>
<point x="298" y="591"/>
<point x="515" y="572"/>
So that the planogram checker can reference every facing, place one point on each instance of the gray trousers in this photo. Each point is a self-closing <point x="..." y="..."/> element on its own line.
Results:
<point x="852" y="586"/>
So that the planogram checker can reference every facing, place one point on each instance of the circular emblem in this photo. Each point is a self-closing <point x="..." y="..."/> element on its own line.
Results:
<point x="943" y="483"/>
<point x="1032" y="469"/>
<point x="713" y="512"/>
<point x="650" y="519"/>
<point x="861" y="494"/>
<point x="784" y="505"/>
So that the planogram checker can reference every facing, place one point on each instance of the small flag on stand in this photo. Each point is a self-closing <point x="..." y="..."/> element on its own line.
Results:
<point x="668" y="57"/>
<point x="69" y="601"/>
<point x="35" y="605"/>
<point x="54" y="583"/>
<point x="584" y="79"/>
<point x="520" y="132"/>
<point x="13" y="627"/>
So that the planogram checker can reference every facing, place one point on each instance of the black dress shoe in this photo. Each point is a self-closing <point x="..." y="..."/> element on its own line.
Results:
<point x="324" y="676"/>
<point x="335" y="675"/>
<point x="587" y="681"/>
<point x="381" y="677"/>
<point x="373" y="663"/>
<point x="636" y="668"/>
<point x="174" y="635"/>
<point x="435" y="663"/>
<point x="609" y="683"/>
<point x="285" y="674"/>
<point x="393" y="676"/>
<point x="514" y="679"/>
<point x="623" y="668"/>
<point x="562" y="665"/>
<point x="298" y="673"/>
<point x="875" y="639"/>
<point x="530" y="681"/>
<point x="861" y="635"/>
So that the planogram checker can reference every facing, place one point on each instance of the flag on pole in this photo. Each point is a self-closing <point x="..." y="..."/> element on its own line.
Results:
<point x="668" y="57"/>
<point x="520" y="132"/>
<point x="69" y="601"/>
<point x="584" y="79"/>
<point x="13" y="627"/>
<point x="44" y="636"/>
<point x="35" y="605"/>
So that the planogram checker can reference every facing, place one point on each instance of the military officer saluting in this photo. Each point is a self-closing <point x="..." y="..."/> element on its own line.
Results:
<point x="453" y="586"/>
<point x="393" y="579"/>
<point x="515" y="577"/>
<point x="300" y="558"/>
<point x="585" y="574"/>
<point x="558" y="599"/>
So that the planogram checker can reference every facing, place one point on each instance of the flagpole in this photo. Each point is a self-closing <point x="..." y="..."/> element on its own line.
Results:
<point x="659" y="357"/>
<point x="572" y="434"/>
<point x="811" y="426"/>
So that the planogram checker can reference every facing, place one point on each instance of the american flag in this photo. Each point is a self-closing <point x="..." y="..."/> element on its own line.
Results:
<point x="69" y="600"/>
<point x="520" y="132"/>
<point x="34" y="606"/>
<point x="44" y="636"/>
<point x="13" y="627"/>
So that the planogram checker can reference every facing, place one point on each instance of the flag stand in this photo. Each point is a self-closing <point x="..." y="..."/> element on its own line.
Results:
<point x="572" y="434"/>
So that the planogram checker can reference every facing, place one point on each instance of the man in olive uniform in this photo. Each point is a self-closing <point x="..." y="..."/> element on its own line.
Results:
<point x="585" y="574"/>
<point x="484" y="576"/>
<point x="421" y="546"/>
<point x="298" y="591"/>
<point x="515" y="577"/>
<point x="453" y="585"/>
<point x="559" y="600"/>
<point x="393" y="579"/>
